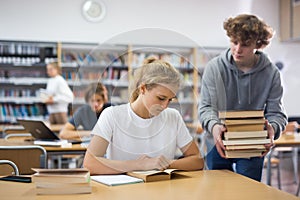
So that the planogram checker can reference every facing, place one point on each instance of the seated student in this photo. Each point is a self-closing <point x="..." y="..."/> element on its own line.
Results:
<point x="87" y="115"/>
<point x="143" y="134"/>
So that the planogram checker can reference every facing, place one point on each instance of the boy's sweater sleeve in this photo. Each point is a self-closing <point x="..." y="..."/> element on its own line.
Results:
<point x="275" y="112"/>
<point x="207" y="110"/>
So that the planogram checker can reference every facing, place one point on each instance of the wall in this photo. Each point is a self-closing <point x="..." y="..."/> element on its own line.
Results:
<point x="167" y="22"/>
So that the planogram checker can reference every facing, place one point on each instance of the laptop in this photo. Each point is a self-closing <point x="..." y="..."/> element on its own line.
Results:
<point x="42" y="133"/>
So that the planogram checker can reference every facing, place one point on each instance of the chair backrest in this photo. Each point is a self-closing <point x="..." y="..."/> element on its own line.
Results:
<point x="25" y="157"/>
<point x="10" y="164"/>
<point x="17" y="129"/>
<point x="19" y="137"/>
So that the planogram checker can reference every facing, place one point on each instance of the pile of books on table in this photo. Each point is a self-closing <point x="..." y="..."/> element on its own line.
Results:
<point x="245" y="136"/>
<point x="62" y="181"/>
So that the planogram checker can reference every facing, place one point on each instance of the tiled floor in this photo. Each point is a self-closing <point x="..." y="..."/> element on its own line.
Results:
<point x="287" y="175"/>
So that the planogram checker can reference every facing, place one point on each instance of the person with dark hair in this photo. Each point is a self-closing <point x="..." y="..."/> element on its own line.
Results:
<point x="59" y="95"/>
<point x="144" y="134"/>
<point x="241" y="78"/>
<point x="86" y="116"/>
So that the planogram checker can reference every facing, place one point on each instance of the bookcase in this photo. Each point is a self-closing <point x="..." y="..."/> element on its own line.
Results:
<point x="23" y="73"/>
<point x="90" y="63"/>
<point x="181" y="58"/>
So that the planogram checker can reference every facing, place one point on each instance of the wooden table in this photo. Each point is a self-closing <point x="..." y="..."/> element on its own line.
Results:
<point x="212" y="184"/>
<point x="54" y="127"/>
<point x="53" y="150"/>
<point x="75" y="149"/>
<point x="285" y="140"/>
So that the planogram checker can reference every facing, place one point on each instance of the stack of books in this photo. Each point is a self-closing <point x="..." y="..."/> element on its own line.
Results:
<point x="62" y="181"/>
<point x="245" y="136"/>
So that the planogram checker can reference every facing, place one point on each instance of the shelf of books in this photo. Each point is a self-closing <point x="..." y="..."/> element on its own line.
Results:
<point x="182" y="59"/>
<point x="96" y="63"/>
<point x="22" y="73"/>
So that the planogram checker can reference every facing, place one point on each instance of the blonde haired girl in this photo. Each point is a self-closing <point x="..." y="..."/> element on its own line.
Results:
<point x="143" y="134"/>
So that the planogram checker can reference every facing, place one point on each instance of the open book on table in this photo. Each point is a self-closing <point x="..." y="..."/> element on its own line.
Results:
<point x="134" y="177"/>
<point x="153" y="175"/>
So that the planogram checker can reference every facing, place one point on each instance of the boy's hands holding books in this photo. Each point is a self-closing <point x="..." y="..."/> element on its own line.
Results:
<point x="149" y="163"/>
<point x="271" y="134"/>
<point x="218" y="132"/>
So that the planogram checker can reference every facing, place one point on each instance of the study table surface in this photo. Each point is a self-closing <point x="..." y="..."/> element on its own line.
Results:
<point x="288" y="140"/>
<point x="212" y="184"/>
<point x="54" y="127"/>
<point x="285" y="140"/>
<point x="51" y="150"/>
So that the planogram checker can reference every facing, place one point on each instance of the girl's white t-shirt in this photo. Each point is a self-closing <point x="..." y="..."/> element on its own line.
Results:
<point x="131" y="136"/>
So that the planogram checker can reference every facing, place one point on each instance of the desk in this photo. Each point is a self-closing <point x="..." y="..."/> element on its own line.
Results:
<point x="284" y="140"/>
<point x="52" y="150"/>
<point x="213" y="184"/>
<point x="75" y="149"/>
<point x="54" y="127"/>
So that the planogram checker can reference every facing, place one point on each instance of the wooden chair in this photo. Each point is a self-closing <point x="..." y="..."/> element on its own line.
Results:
<point x="25" y="157"/>
<point x="11" y="165"/>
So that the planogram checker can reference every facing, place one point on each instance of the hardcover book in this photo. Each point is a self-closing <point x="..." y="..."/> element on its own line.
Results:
<point x="243" y="153"/>
<point x="247" y="141"/>
<point x="237" y="114"/>
<point x="62" y="181"/>
<point x="244" y="134"/>
<point x="245" y="127"/>
<point x="153" y="175"/>
<point x="245" y="147"/>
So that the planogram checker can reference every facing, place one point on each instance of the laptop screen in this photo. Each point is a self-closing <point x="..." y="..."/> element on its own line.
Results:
<point x="38" y="129"/>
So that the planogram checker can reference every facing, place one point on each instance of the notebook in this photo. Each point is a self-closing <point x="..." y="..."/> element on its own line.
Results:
<point x="42" y="133"/>
<point x="113" y="180"/>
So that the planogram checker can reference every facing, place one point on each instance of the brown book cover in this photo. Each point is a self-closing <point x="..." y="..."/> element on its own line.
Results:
<point x="236" y="114"/>
<point x="244" y="121"/>
<point x="247" y="141"/>
<point x="76" y="175"/>
<point x="243" y="153"/>
<point x="64" y="190"/>
<point x="61" y="185"/>
<point x="246" y="147"/>
<point x="153" y="175"/>
<point x="244" y="134"/>
<point x="245" y="127"/>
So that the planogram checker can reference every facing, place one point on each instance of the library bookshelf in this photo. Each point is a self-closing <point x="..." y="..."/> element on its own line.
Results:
<point x="23" y="73"/>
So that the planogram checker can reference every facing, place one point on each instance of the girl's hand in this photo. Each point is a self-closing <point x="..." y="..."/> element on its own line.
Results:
<point x="148" y="163"/>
